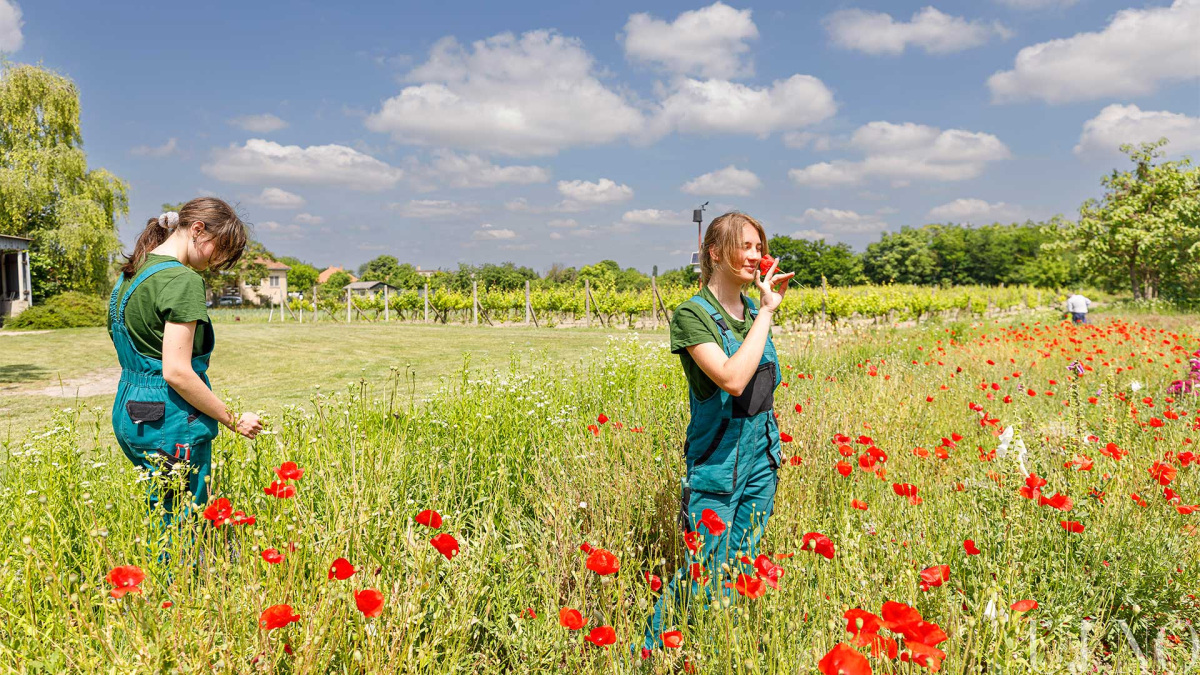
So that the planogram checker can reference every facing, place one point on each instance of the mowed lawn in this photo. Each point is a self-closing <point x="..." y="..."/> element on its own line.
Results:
<point x="269" y="365"/>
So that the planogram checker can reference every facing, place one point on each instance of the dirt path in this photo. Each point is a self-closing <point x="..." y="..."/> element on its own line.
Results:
<point x="95" y="383"/>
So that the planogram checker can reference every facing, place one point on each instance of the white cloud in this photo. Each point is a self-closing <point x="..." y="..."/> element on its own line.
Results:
<point x="1038" y="4"/>
<point x="472" y="171"/>
<point x="582" y="194"/>
<point x="974" y="211"/>
<point x="435" y="208"/>
<point x="708" y="42"/>
<point x="802" y="139"/>
<point x="488" y="233"/>
<point x="308" y="219"/>
<point x="720" y="106"/>
<point x="808" y="234"/>
<point x="563" y="222"/>
<point x="655" y="217"/>
<point x="842" y="222"/>
<point x="535" y="94"/>
<point x="728" y="181"/>
<point x="556" y="235"/>
<point x="1118" y="124"/>
<point x="259" y="124"/>
<point x="261" y="161"/>
<point x="1135" y="53"/>
<point x="905" y="152"/>
<point x="935" y="32"/>
<point x="156" y="151"/>
<point x="275" y="198"/>
<point x="292" y="231"/>
<point x="11" y="38"/>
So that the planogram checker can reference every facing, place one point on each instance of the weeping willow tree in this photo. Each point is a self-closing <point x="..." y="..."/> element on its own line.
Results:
<point x="47" y="192"/>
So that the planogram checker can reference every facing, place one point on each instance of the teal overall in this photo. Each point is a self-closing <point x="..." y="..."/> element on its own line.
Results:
<point x="732" y="455"/>
<point x="157" y="429"/>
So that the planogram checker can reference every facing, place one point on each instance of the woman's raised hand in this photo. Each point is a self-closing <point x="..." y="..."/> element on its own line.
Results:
<point x="769" y="298"/>
<point x="249" y="425"/>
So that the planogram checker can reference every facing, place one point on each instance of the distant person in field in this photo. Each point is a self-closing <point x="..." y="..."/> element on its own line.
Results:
<point x="165" y="415"/>
<point x="1078" y="305"/>
<point x="732" y="449"/>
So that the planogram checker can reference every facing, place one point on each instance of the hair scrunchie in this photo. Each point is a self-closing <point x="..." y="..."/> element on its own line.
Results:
<point x="168" y="220"/>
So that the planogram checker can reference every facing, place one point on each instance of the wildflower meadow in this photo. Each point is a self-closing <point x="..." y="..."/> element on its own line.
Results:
<point x="990" y="497"/>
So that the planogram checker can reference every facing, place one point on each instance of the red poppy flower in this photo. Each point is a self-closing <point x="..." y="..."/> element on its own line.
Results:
<point x="784" y="438"/>
<point x="369" y="602"/>
<point x="818" y="543"/>
<point x="769" y="571"/>
<point x="859" y="620"/>
<point x="799" y="408"/>
<point x="844" y="468"/>
<point x="653" y="580"/>
<point x="699" y="574"/>
<point x="602" y="636"/>
<point x="969" y="547"/>
<point x="571" y="619"/>
<point x="280" y="490"/>
<point x="602" y="562"/>
<point x="1072" y="526"/>
<point x="602" y="418"/>
<point x="844" y="660"/>
<point x="219" y="511"/>
<point x="240" y="518"/>
<point x="445" y="544"/>
<point x="272" y="556"/>
<point x="692" y="541"/>
<point x="1024" y="605"/>
<point x="1163" y="473"/>
<point x="341" y="569"/>
<point x="528" y="613"/>
<point x="932" y="577"/>
<point x="277" y="616"/>
<point x="905" y="489"/>
<point x="125" y="579"/>
<point x="672" y="639"/>
<point x="1058" y="501"/>
<point x="429" y="518"/>
<point x="712" y="521"/>
<point x="856" y="504"/>
<point x="594" y="429"/>
<point x="289" y="471"/>
<point x="751" y="587"/>
<point x="1113" y="450"/>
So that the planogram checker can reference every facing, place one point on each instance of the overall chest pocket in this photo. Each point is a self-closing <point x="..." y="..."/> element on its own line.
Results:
<point x="759" y="394"/>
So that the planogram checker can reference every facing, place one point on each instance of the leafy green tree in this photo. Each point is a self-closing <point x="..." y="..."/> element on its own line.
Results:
<point x="1144" y="234"/>
<point x="903" y="257"/>
<point x="47" y="192"/>
<point x="382" y="268"/>
<point x="602" y="274"/>
<point x="557" y="275"/>
<point x="334" y="285"/>
<point x="302" y="277"/>
<point x="685" y="276"/>
<point x="811" y="260"/>
<point x="407" y="277"/>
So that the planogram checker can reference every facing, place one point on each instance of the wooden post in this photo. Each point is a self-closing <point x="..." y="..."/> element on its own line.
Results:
<point x="386" y="308"/>
<point x="653" y="300"/>
<point x="426" y="302"/>
<point x="316" y="309"/>
<point x="824" y="301"/>
<point x="587" y="302"/>
<point x="271" y="315"/>
<point x="528" y="309"/>
<point x="474" y="301"/>
<point x="347" y="305"/>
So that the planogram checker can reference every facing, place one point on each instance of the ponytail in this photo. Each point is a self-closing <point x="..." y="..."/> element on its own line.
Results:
<point x="152" y="237"/>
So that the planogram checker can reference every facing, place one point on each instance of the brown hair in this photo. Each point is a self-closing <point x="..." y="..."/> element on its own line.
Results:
<point x="221" y="223"/>
<point x="725" y="235"/>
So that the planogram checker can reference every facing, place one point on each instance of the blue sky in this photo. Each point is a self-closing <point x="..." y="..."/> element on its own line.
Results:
<point x="570" y="132"/>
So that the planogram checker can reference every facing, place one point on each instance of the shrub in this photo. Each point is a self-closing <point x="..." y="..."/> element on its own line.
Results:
<point x="67" y="310"/>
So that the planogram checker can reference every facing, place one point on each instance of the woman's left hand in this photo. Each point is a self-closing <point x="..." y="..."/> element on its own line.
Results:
<point x="769" y="298"/>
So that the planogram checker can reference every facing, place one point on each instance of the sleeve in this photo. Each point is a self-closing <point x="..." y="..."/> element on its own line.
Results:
<point x="689" y="328"/>
<point x="182" y="299"/>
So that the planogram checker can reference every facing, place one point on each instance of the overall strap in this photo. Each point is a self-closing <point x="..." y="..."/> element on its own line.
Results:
<point x="712" y="312"/>
<point x="137" y="281"/>
<point x="751" y="308"/>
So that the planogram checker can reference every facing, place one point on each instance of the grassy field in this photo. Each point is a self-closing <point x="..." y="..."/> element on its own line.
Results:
<point x="268" y="365"/>
<point x="895" y="459"/>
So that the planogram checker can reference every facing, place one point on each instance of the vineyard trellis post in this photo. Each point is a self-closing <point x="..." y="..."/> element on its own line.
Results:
<point x="426" y="302"/>
<point x="386" y="308"/>
<point x="474" y="301"/>
<point x="271" y="314"/>
<point x="528" y="309"/>
<point x="587" y="302"/>
<point x="824" y="302"/>
<point x="347" y="305"/>
<point x="316" y="307"/>
<point x="653" y="306"/>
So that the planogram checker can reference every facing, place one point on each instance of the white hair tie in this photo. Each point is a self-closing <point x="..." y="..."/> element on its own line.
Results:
<point x="168" y="220"/>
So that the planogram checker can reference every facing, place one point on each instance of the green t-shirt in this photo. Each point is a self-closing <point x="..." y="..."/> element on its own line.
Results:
<point x="175" y="294"/>
<point x="692" y="325"/>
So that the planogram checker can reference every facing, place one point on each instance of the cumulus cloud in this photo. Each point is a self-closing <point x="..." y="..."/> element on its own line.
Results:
<point x="937" y="33"/>
<point x="1118" y="124"/>
<point x="728" y="181"/>
<point x="720" y="106"/>
<point x="905" y="152"/>
<point x="277" y="229"/>
<point x="308" y="219"/>
<point x="974" y="211"/>
<point x="563" y="222"/>
<point x="535" y="94"/>
<point x="11" y="37"/>
<point x="1136" y="52"/>
<point x="275" y="198"/>
<point x="838" y="221"/>
<point x="581" y="194"/>
<point x="156" y="151"/>
<point x="708" y="42"/>
<point x="655" y="217"/>
<point x="434" y="209"/>
<point x="472" y="171"/>
<point x="261" y="161"/>
<point x="259" y="124"/>
<point x="488" y="233"/>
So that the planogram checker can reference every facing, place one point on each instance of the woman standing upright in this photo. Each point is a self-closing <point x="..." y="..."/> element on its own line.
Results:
<point x="732" y="448"/>
<point x="165" y="415"/>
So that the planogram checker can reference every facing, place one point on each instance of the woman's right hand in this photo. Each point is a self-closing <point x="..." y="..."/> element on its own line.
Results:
<point x="770" y="299"/>
<point x="249" y="425"/>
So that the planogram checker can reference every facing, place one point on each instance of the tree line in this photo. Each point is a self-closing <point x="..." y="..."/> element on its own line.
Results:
<point x="1142" y="236"/>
